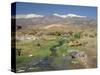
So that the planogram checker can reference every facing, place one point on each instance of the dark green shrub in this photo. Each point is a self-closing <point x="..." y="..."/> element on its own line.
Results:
<point x="61" y="42"/>
<point x="77" y="35"/>
<point x="19" y="51"/>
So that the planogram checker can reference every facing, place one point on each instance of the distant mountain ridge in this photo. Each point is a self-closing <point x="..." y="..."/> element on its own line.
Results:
<point x="71" y="19"/>
<point x="55" y="14"/>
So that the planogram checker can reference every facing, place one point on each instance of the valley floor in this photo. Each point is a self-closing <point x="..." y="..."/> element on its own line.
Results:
<point x="55" y="49"/>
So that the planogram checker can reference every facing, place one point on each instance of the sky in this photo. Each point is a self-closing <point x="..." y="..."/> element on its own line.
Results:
<point x="49" y="9"/>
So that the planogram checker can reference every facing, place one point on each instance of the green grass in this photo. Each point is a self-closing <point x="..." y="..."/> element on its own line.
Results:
<point x="20" y="59"/>
<point x="31" y="47"/>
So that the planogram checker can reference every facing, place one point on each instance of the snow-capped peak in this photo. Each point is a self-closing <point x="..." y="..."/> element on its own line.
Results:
<point x="28" y="16"/>
<point x="68" y="15"/>
<point x="74" y="15"/>
<point x="62" y="16"/>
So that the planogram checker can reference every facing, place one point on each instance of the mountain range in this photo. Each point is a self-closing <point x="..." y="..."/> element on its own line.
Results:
<point x="68" y="19"/>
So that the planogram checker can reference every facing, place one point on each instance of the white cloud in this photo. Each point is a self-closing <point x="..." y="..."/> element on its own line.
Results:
<point x="68" y="15"/>
<point x="28" y="16"/>
<point x="74" y="15"/>
<point x="62" y="16"/>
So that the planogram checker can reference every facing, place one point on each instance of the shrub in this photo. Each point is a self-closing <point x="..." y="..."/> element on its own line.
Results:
<point x="77" y="35"/>
<point x="61" y="42"/>
<point x="19" y="27"/>
<point x="19" y="51"/>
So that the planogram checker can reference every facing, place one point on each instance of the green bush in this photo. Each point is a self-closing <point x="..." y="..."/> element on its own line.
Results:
<point x="19" y="51"/>
<point x="77" y="35"/>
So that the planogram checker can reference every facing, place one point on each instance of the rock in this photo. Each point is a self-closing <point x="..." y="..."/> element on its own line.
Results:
<point x="30" y="55"/>
<point x="77" y="54"/>
<point x="74" y="54"/>
<point x="21" y="71"/>
<point x="74" y="43"/>
<point x="74" y="62"/>
<point x="81" y="56"/>
<point x="26" y="37"/>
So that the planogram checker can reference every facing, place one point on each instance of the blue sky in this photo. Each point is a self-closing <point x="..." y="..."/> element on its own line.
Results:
<point x="49" y="9"/>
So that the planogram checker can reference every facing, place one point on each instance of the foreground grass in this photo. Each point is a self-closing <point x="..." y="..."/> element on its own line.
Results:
<point x="31" y="49"/>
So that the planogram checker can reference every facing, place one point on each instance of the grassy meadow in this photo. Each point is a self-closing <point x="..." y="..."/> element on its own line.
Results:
<point x="52" y="48"/>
